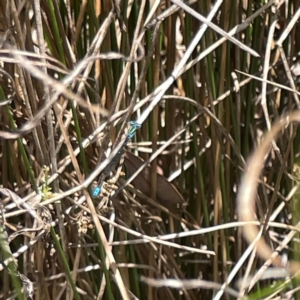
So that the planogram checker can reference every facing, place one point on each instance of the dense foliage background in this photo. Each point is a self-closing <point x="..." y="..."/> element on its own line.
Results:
<point x="205" y="80"/>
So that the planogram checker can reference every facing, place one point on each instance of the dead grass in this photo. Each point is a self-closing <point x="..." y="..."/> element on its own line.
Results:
<point x="204" y="81"/>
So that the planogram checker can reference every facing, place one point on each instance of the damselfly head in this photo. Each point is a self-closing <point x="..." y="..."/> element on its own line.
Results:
<point x="133" y="128"/>
<point x="135" y="124"/>
<point x="96" y="191"/>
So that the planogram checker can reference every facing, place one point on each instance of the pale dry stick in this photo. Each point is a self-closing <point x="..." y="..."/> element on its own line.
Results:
<point x="267" y="223"/>
<point x="280" y="86"/>
<point x="153" y="9"/>
<point x="28" y="91"/>
<point x="184" y="66"/>
<point x="159" y="240"/>
<point x="87" y="141"/>
<point x="50" y="139"/>
<point x="280" y="3"/>
<point x="66" y="161"/>
<point x="274" y="196"/>
<point x="159" y="92"/>
<point x="109" y="255"/>
<point x="61" y="68"/>
<point x="59" y="87"/>
<point x="77" y="171"/>
<point x="103" y="237"/>
<point x="70" y="20"/>
<point x="110" y="239"/>
<point x="235" y="82"/>
<point x="79" y="22"/>
<point x="92" y="55"/>
<point x="93" y="50"/>
<point x="142" y="75"/>
<point x="202" y="231"/>
<point x="265" y="76"/>
<point x="248" y="186"/>
<point x="289" y="75"/>
<point x="68" y="118"/>
<point x="189" y="163"/>
<point x="117" y="13"/>
<point x="216" y="121"/>
<point x="187" y="284"/>
<point x="24" y="248"/>
<point x="278" y="273"/>
<point x="249" y="265"/>
<point x="284" y="33"/>
<point x="250" y="250"/>
<point x="236" y="268"/>
<point x="215" y="27"/>
<point x="97" y="267"/>
<point x="289" y="27"/>
<point x="291" y="293"/>
<point x="176" y="235"/>
<point x="123" y="80"/>
<point x="275" y="254"/>
<point x="131" y="107"/>
<point x="234" y="89"/>
<point x="166" y="13"/>
<point x="20" y="203"/>
<point x="96" y="172"/>
<point x="110" y="258"/>
<point x="244" y="283"/>
<point x="56" y="66"/>
<point x="154" y="155"/>
<point x="280" y="207"/>
<point x="232" y="32"/>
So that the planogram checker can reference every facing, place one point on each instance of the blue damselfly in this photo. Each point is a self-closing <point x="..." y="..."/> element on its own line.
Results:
<point x="131" y="132"/>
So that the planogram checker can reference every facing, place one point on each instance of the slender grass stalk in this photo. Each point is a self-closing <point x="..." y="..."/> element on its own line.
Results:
<point x="65" y="264"/>
<point x="24" y="156"/>
<point x="200" y="120"/>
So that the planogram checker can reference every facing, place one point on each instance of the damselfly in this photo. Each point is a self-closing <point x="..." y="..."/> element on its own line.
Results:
<point x="131" y="132"/>
<point x="97" y="190"/>
<point x="132" y="129"/>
